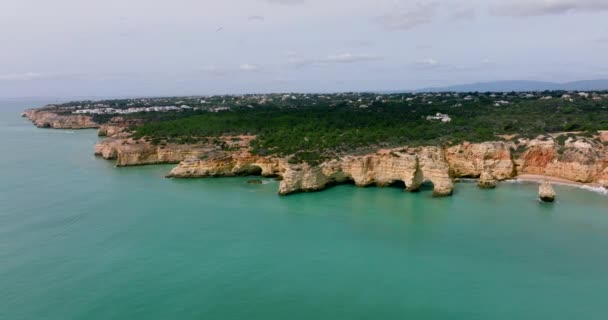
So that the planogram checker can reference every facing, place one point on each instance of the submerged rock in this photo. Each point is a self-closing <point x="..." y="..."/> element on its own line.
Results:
<point x="546" y="192"/>
<point x="256" y="181"/>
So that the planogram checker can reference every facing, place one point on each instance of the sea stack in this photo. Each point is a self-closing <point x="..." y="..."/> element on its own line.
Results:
<point x="546" y="192"/>
<point x="487" y="181"/>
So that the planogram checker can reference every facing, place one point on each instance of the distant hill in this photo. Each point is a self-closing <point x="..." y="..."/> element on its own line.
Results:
<point x="522" y="85"/>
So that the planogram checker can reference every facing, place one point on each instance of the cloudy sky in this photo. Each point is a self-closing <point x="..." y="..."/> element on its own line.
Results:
<point x="70" y="48"/>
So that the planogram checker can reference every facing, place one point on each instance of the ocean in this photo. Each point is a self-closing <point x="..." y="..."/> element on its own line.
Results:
<point x="82" y="239"/>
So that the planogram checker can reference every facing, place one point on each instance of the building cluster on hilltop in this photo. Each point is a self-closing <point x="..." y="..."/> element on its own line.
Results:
<point x="360" y="100"/>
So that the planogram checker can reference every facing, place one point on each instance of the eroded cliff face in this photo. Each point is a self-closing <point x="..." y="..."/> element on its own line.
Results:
<point x="412" y="166"/>
<point x="566" y="156"/>
<point x="577" y="159"/>
<point x="472" y="160"/>
<point x="48" y="119"/>
<point x="580" y="160"/>
<point x="117" y="125"/>
<point x="217" y="163"/>
<point x="130" y="152"/>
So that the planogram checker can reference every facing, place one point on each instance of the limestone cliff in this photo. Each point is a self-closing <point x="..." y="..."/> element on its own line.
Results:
<point x="117" y="125"/>
<point x="471" y="160"/>
<point x="569" y="156"/>
<point x="412" y="166"/>
<point x="48" y="119"/>
<point x="130" y="152"/>
<point x="216" y="163"/>
<point x="578" y="159"/>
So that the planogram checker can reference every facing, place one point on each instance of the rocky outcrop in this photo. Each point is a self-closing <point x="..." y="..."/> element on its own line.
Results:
<point x="117" y="125"/>
<point x="470" y="160"/>
<point x="490" y="162"/>
<point x="49" y="119"/>
<point x="546" y="192"/>
<point x="214" y="163"/>
<point x="411" y="166"/>
<point x="575" y="159"/>
<point x="130" y="152"/>
<point x="487" y="181"/>
<point x="581" y="160"/>
<point x="109" y="130"/>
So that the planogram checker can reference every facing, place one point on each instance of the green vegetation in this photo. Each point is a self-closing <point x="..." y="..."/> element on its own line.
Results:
<point x="320" y="130"/>
<point x="314" y="127"/>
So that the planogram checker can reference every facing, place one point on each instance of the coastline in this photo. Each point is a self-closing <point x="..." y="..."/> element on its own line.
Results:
<point x="491" y="161"/>
<point x="535" y="178"/>
<point x="542" y="178"/>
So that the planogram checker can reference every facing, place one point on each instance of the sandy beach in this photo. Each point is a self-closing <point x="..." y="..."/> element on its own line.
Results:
<point x="541" y="178"/>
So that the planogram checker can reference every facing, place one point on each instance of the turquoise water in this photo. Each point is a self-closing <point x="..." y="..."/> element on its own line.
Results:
<point x="81" y="239"/>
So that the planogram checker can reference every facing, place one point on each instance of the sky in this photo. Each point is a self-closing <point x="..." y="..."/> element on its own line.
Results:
<point x="76" y="48"/>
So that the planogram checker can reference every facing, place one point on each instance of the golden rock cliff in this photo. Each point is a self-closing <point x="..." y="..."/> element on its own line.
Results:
<point x="579" y="159"/>
<point x="130" y="152"/>
<point x="47" y="119"/>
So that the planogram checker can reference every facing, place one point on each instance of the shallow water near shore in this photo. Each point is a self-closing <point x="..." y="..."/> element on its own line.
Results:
<point x="82" y="239"/>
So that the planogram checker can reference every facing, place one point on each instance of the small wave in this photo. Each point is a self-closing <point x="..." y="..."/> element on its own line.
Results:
<point x="516" y="181"/>
<point x="63" y="131"/>
<point x="599" y="190"/>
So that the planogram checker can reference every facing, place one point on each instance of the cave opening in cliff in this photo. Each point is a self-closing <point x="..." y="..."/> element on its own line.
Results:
<point x="253" y="171"/>
<point x="334" y="183"/>
<point x="427" y="186"/>
<point x="397" y="184"/>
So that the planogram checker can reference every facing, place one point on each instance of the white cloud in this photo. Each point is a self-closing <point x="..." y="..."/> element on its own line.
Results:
<point x="29" y="76"/>
<point x="429" y="62"/>
<point x="248" y="67"/>
<point x="332" y="59"/>
<point x="285" y="2"/>
<point x="405" y="19"/>
<point x="463" y="13"/>
<point x="347" y="58"/>
<point x="255" y="18"/>
<point x="526" y="8"/>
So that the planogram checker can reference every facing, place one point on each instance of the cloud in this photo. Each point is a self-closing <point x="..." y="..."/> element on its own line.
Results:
<point x="215" y="70"/>
<point x="248" y="67"/>
<point x="255" y="18"/>
<point x="463" y="13"/>
<point x="333" y="59"/>
<point x="428" y="63"/>
<point x="285" y="2"/>
<point x="528" y="8"/>
<point x="603" y="38"/>
<point x="347" y="58"/>
<point x="360" y="43"/>
<point x="229" y="70"/>
<point x="406" y="19"/>
<point x="30" y="76"/>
